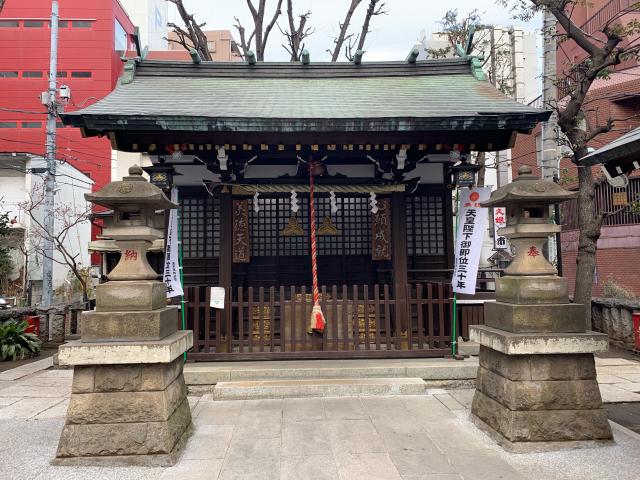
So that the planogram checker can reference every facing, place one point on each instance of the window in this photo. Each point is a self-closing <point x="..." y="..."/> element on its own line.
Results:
<point x="81" y="23"/>
<point x="59" y="125"/>
<point x="32" y="74"/>
<point x="8" y="74"/>
<point x="8" y="124"/>
<point x="31" y="124"/>
<point x="200" y="219"/>
<point x="425" y="225"/>
<point x="80" y="74"/>
<point x="158" y="17"/>
<point x="211" y="45"/>
<point x="9" y="23"/>
<point x="62" y="74"/>
<point x="33" y="23"/>
<point x="121" y="42"/>
<point x="63" y="23"/>
<point x="539" y="149"/>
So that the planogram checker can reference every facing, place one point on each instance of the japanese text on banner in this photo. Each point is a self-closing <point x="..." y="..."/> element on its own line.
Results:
<point x="171" y="274"/>
<point x="472" y="223"/>
<point x="499" y="221"/>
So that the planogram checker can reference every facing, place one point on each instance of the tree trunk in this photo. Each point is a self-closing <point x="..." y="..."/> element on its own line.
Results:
<point x="480" y="161"/>
<point x="589" y="226"/>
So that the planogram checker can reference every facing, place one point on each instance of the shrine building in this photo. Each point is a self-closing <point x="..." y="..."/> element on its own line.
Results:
<point x="238" y="140"/>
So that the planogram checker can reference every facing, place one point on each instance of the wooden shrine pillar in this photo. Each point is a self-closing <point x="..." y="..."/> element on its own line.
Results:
<point x="399" y="259"/>
<point x="225" y="258"/>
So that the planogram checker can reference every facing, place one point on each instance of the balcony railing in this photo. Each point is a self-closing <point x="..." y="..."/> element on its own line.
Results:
<point x="605" y="14"/>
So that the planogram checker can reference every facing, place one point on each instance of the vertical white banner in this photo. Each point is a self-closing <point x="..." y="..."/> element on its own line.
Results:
<point x="499" y="221"/>
<point x="472" y="223"/>
<point x="171" y="254"/>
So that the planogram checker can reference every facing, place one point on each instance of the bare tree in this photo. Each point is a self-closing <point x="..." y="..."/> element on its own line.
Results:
<point x="614" y="42"/>
<point x="1" y="5"/>
<point x="67" y="219"/>
<point x="344" y="28"/>
<point x="295" y="35"/>
<point x="376" y="7"/>
<point x="191" y="36"/>
<point x="260" y="33"/>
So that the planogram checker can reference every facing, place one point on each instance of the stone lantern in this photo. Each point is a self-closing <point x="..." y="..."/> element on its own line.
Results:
<point x="536" y="380"/>
<point x="129" y="401"/>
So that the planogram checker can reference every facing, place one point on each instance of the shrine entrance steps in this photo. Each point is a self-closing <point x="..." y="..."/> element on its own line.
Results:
<point x="324" y="378"/>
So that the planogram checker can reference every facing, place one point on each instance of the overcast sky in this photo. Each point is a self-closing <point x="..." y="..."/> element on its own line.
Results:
<point x="391" y="36"/>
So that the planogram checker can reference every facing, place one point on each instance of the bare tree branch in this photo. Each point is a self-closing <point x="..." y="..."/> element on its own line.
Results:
<point x="296" y="35"/>
<point x="193" y="36"/>
<point x="67" y="219"/>
<point x="259" y="35"/>
<point x="344" y="27"/>
<point x="376" y="7"/>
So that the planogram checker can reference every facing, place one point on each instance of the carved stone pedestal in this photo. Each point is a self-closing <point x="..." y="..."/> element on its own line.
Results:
<point x="133" y="413"/>
<point x="552" y="397"/>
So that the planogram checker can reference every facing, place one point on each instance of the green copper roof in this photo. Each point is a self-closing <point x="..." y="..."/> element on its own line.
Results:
<point x="289" y="97"/>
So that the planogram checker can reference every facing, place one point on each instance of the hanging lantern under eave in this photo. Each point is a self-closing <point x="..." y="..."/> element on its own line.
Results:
<point x="464" y="173"/>
<point x="161" y="175"/>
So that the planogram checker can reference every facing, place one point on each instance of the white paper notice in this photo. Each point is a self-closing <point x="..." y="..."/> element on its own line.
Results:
<point x="472" y="224"/>
<point x="217" y="297"/>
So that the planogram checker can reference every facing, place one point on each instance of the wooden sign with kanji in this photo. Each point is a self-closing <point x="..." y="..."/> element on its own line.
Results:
<point x="381" y="231"/>
<point x="241" y="250"/>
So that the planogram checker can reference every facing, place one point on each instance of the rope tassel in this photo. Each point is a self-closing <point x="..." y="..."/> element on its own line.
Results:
<point x="317" y="322"/>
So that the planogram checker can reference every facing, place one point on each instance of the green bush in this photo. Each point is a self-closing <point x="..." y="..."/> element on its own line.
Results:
<point x="15" y="343"/>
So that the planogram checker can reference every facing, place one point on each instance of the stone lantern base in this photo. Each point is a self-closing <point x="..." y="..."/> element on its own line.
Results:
<point x="534" y="388"/>
<point x="134" y="412"/>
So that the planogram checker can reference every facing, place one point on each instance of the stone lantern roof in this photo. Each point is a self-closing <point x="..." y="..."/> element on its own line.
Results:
<point x="131" y="191"/>
<point x="528" y="188"/>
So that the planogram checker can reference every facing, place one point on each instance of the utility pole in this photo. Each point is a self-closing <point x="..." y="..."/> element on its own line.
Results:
<point x="550" y="159"/>
<point x="50" y="179"/>
<point x="549" y="154"/>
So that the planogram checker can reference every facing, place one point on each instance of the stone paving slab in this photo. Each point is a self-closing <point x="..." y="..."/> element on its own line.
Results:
<point x="417" y="437"/>
<point x="27" y="369"/>
<point x="611" y="393"/>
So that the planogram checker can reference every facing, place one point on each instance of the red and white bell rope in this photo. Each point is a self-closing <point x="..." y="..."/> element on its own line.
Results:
<point x="317" y="322"/>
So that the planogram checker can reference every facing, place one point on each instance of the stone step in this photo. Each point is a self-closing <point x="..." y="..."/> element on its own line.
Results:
<point x="427" y="369"/>
<point x="319" y="387"/>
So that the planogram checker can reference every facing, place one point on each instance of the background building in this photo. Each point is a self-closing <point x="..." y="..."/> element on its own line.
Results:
<point x="617" y="97"/>
<point x="92" y="38"/>
<point x="21" y="178"/>
<point x="221" y="44"/>
<point x="150" y="16"/>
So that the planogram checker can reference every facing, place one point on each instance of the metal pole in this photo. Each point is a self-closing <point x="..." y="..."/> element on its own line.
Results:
<point x="454" y="319"/>
<point x="183" y="302"/>
<point x="50" y="179"/>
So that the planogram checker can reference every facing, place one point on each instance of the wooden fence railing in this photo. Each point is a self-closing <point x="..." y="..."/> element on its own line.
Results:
<point x="362" y="321"/>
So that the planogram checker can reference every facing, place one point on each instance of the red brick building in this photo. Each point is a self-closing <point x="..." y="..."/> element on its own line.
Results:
<point x="618" y="97"/>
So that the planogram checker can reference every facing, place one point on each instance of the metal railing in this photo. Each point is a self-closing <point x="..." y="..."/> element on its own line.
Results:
<point x="596" y="21"/>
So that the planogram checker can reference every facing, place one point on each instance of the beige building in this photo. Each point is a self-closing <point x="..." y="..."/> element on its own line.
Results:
<point x="221" y="44"/>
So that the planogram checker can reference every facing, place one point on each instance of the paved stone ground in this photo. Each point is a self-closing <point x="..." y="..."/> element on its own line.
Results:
<point x="392" y="438"/>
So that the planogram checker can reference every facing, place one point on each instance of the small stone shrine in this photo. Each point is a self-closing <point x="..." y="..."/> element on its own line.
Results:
<point x="129" y="401"/>
<point x="537" y="378"/>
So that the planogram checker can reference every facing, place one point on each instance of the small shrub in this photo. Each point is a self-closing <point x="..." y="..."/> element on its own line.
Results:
<point x="611" y="289"/>
<point x="15" y="343"/>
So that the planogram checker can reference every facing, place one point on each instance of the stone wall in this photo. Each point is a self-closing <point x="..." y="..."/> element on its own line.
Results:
<point x="613" y="317"/>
